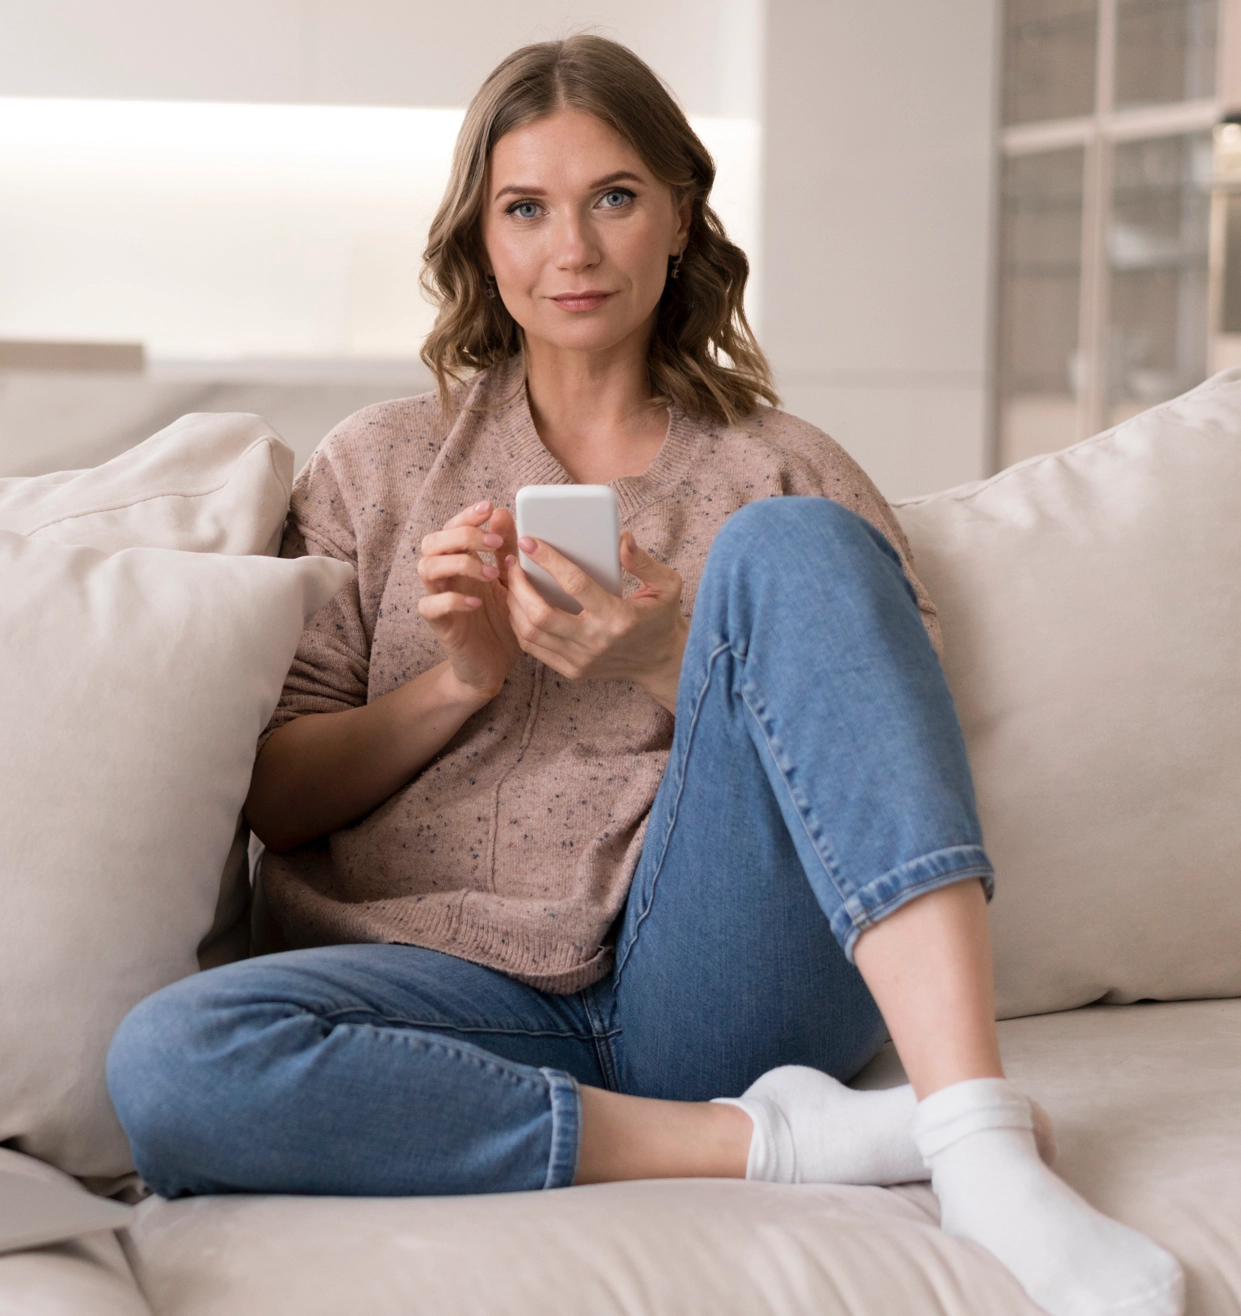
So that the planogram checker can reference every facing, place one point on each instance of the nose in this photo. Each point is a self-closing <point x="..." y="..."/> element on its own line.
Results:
<point x="576" y="245"/>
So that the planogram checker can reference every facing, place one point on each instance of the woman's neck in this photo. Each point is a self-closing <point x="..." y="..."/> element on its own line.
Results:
<point x="593" y="411"/>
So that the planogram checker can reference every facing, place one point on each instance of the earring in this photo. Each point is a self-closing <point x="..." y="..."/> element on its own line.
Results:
<point x="675" y="271"/>
<point x="491" y="285"/>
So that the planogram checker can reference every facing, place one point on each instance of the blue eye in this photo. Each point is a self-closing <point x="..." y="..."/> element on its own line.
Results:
<point x="524" y="210"/>
<point x="616" y="198"/>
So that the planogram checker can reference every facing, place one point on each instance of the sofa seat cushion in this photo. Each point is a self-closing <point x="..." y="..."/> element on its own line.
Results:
<point x="1144" y="1099"/>
<point x="87" y="1276"/>
<point x="676" y="1248"/>
<point x="1146" y="1104"/>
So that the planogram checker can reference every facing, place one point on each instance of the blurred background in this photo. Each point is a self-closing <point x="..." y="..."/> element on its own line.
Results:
<point x="980" y="229"/>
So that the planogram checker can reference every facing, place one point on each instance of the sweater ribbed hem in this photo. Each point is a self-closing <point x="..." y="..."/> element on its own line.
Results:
<point x="457" y="923"/>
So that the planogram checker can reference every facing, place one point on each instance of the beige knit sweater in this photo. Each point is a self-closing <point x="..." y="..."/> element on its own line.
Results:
<point x="515" y="846"/>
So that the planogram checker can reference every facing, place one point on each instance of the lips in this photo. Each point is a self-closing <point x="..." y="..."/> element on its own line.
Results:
<point x="585" y="300"/>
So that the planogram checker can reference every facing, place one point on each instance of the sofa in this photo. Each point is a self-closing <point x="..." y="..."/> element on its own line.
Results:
<point x="1091" y="609"/>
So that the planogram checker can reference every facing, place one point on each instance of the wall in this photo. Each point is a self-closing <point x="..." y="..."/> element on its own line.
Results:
<point x="878" y="125"/>
<point x="358" y="52"/>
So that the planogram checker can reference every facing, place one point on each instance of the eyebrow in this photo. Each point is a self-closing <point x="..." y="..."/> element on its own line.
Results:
<point x="622" y="175"/>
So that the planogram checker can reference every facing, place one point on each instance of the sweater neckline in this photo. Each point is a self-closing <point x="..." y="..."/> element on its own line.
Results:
<point x="532" y="463"/>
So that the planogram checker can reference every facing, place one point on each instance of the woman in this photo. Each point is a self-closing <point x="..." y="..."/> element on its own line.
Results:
<point x="550" y="882"/>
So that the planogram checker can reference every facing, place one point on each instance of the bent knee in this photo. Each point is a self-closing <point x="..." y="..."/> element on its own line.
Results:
<point x="783" y="524"/>
<point x="766" y="536"/>
<point x="155" y="1079"/>
<point x="146" y="1045"/>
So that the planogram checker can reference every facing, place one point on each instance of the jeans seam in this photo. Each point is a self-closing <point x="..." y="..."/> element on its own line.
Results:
<point x="560" y="1089"/>
<point x="602" y="1037"/>
<point x="853" y="917"/>
<point x="675" y="809"/>
<point x="496" y="1064"/>
<point x="826" y="860"/>
<point x="402" y="1021"/>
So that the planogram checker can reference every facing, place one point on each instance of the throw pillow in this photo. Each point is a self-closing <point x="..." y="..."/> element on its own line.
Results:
<point x="1091" y="606"/>
<point x="205" y="484"/>
<point x="133" y="687"/>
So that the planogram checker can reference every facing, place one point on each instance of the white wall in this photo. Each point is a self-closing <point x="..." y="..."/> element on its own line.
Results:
<point x="358" y="52"/>
<point x="876" y="217"/>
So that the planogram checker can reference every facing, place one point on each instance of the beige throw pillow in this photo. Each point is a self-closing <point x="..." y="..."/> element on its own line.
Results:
<point x="1091" y="605"/>
<point x="205" y="484"/>
<point x="133" y="687"/>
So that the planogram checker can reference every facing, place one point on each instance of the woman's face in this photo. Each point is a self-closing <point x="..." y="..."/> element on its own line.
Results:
<point x="578" y="232"/>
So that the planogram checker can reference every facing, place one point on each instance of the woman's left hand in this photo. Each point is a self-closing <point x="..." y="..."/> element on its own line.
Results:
<point x="640" y="638"/>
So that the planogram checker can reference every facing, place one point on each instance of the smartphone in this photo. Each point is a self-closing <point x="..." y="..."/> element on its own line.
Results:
<point x="582" y="521"/>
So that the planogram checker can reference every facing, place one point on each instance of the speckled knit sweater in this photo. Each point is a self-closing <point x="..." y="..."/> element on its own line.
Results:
<point x="516" y="845"/>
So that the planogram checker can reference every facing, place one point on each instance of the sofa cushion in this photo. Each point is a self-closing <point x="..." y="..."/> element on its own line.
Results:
<point x="133" y="687"/>
<point x="87" y="1276"/>
<point x="1157" y="1151"/>
<point x="1144" y="1101"/>
<point x="1091" y="609"/>
<point x="205" y="484"/>
<point x="672" y="1248"/>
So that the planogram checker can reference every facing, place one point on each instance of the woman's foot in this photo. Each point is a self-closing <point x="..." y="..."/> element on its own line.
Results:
<point x="809" y="1128"/>
<point x="977" y="1137"/>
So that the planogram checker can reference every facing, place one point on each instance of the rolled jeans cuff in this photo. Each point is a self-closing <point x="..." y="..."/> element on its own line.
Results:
<point x="884" y="895"/>
<point x="566" y="1121"/>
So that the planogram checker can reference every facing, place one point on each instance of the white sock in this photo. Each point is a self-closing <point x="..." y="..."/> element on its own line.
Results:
<point x="1071" y="1259"/>
<point x="808" y="1128"/>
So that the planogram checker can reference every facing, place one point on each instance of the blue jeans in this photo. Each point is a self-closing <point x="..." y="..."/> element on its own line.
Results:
<point x="817" y="782"/>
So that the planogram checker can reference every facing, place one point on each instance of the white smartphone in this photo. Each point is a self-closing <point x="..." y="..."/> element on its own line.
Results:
<point x="582" y="521"/>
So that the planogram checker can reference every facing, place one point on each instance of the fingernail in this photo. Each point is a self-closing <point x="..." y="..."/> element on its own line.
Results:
<point x="490" y="572"/>
<point x="492" y="541"/>
<point x="526" y="544"/>
<point x="473" y="602"/>
<point x="510" y="561"/>
<point x="481" y="507"/>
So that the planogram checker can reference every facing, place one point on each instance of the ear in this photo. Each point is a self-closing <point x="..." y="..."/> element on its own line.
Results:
<point x="685" y="217"/>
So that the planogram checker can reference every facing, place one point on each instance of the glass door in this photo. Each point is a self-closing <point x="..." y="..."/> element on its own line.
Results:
<point x="1040" y="298"/>
<point x="1104" y="213"/>
<point x="1157" y="269"/>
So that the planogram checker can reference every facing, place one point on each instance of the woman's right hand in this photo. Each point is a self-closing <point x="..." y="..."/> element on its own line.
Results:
<point x="466" y="603"/>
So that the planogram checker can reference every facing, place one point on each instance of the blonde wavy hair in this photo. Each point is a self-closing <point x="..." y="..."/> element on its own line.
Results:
<point x="704" y="357"/>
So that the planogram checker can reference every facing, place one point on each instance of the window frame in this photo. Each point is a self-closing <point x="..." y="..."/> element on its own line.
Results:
<point x="1098" y="134"/>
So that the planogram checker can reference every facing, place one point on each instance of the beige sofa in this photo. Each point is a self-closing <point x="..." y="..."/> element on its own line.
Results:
<point x="1091" y="603"/>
